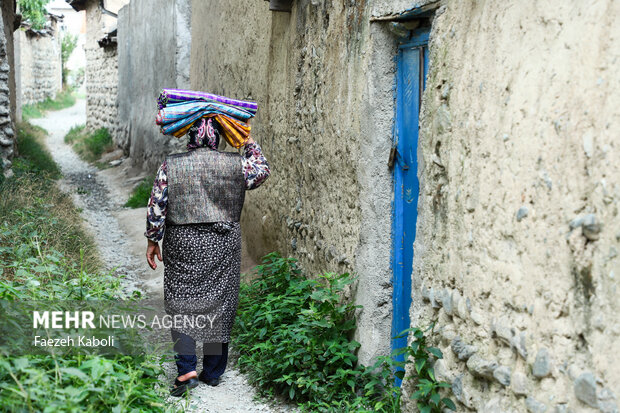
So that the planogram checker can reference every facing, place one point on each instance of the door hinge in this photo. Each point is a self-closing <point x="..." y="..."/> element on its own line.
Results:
<point x="392" y="160"/>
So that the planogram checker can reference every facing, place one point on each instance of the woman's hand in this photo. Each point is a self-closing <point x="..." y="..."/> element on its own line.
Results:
<point x="151" y="250"/>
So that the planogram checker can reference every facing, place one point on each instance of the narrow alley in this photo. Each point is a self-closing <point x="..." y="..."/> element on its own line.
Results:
<point x="459" y="159"/>
<point x="119" y="233"/>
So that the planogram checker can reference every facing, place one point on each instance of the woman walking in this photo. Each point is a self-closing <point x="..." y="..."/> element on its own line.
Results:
<point x="196" y="200"/>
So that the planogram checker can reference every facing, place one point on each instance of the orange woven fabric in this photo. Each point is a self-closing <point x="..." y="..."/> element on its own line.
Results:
<point x="235" y="132"/>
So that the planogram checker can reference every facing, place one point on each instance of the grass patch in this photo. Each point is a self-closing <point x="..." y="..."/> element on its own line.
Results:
<point x="140" y="195"/>
<point x="89" y="146"/>
<point x="75" y="134"/>
<point x="33" y="156"/>
<point x="45" y="254"/>
<point x="63" y="100"/>
<point x="31" y="112"/>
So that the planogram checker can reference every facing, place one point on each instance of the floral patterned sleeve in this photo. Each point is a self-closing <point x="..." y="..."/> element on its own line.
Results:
<point x="255" y="166"/>
<point x="157" y="206"/>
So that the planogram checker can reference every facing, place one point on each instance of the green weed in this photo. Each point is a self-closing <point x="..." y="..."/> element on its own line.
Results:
<point x="292" y="335"/>
<point x="45" y="254"/>
<point x="75" y="134"/>
<point x="140" y="195"/>
<point x="293" y="338"/>
<point x="89" y="146"/>
<point x="97" y="142"/>
<point x="428" y="395"/>
<point x="31" y="112"/>
<point x="33" y="155"/>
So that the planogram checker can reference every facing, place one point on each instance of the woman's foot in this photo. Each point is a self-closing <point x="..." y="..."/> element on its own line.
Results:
<point x="187" y="376"/>
<point x="184" y="383"/>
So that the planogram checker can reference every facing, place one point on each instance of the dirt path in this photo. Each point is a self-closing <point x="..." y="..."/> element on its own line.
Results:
<point x="119" y="235"/>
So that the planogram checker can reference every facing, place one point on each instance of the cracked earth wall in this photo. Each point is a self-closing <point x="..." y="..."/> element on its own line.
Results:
<point x="516" y="253"/>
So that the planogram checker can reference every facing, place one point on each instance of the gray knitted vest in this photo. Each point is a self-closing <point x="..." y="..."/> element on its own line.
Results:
<point x="204" y="186"/>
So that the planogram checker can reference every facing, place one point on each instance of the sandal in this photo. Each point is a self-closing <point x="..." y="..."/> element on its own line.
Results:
<point x="180" y="387"/>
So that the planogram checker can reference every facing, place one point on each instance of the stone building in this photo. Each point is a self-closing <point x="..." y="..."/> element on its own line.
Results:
<point x="461" y="158"/>
<point x="149" y="59"/>
<point x="9" y="23"/>
<point x="101" y="62"/>
<point x="38" y="62"/>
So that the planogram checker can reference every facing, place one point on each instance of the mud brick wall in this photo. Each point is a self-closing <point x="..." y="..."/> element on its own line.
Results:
<point x="517" y="237"/>
<point x="516" y="251"/>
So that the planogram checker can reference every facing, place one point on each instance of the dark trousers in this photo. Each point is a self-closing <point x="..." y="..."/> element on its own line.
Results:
<point x="215" y="356"/>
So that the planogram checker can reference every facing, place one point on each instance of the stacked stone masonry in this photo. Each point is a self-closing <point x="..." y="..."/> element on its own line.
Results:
<point x="101" y="88"/>
<point x="101" y="73"/>
<point x="7" y="131"/>
<point x="40" y="66"/>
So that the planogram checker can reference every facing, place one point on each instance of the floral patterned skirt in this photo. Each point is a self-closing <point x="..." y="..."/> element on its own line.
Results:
<point x="202" y="265"/>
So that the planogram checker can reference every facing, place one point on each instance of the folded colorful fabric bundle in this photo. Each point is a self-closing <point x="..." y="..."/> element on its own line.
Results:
<point x="170" y="96"/>
<point x="177" y="118"/>
<point x="179" y="109"/>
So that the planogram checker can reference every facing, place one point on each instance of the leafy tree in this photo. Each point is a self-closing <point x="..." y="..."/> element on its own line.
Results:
<point x="68" y="43"/>
<point x="34" y="11"/>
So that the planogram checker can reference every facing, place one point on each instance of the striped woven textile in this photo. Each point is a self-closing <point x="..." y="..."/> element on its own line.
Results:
<point x="171" y="96"/>
<point x="176" y="119"/>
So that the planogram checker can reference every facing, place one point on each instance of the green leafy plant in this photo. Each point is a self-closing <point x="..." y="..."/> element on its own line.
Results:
<point x="34" y="12"/>
<point x="428" y="394"/>
<point x="45" y="254"/>
<point x="140" y="195"/>
<point x="292" y="335"/>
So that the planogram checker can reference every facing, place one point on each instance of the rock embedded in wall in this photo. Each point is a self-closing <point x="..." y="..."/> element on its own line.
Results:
<point x="7" y="134"/>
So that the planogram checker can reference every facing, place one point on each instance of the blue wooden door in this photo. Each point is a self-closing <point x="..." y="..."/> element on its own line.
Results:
<point x="410" y="82"/>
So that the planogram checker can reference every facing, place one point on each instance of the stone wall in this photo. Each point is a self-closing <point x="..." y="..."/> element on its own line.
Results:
<point x="323" y="78"/>
<point x="7" y="88"/>
<point x="149" y="60"/>
<point x="516" y="253"/>
<point x="101" y="74"/>
<point x="39" y="73"/>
